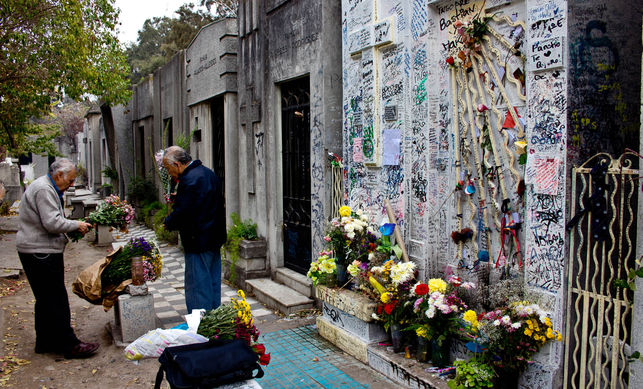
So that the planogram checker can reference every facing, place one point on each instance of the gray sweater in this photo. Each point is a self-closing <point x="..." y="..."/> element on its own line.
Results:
<point x="42" y="220"/>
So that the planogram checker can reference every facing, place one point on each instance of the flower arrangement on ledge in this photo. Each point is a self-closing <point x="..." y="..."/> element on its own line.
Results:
<point x="119" y="268"/>
<point x="234" y="321"/>
<point x="113" y="212"/>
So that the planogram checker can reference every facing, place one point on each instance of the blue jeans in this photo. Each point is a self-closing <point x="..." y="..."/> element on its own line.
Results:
<point x="203" y="280"/>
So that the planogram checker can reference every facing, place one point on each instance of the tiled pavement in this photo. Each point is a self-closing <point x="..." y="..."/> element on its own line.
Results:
<point x="168" y="291"/>
<point x="300" y="357"/>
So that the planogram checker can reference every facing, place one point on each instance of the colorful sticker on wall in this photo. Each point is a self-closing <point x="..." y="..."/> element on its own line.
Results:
<point x="358" y="155"/>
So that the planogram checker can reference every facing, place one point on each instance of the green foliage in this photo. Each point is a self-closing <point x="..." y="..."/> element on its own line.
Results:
<point x="148" y="211"/>
<point x="141" y="191"/>
<point x="473" y="374"/>
<point x="159" y="227"/>
<point x="110" y="173"/>
<point x="160" y="38"/>
<point x="222" y="8"/>
<point x="50" y="50"/>
<point x="238" y="232"/>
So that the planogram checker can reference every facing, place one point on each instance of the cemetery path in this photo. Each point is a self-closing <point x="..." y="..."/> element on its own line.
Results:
<point x="301" y="358"/>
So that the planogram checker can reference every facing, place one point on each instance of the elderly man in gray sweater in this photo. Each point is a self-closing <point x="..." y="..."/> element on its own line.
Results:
<point x="41" y="242"/>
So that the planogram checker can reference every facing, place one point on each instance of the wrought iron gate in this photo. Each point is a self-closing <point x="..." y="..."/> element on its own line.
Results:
<point x="602" y="248"/>
<point x="295" y="136"/>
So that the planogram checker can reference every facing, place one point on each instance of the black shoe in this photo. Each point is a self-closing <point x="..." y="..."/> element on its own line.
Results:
<point x="82" y="350"/>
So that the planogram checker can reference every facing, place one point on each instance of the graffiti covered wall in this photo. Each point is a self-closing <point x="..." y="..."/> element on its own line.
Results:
<point x="465" y="135"/>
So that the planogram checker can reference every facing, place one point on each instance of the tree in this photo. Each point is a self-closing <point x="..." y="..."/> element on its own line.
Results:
<point x="222" y="8"/>
<point x="160" y="38"/>
<point x="50" y="49"/>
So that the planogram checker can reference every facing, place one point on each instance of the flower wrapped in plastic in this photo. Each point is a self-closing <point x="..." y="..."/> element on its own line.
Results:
<point x="322" y="270"/>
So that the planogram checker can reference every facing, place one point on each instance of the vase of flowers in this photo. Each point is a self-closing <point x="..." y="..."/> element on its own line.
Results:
<point x="510" y="336"/>
<point x="396" y="337"/>
<point x="437" y="307"/>
<point x="323" y="269"/>
<point x="423" y="349"/>
<point x="119" y="268"/>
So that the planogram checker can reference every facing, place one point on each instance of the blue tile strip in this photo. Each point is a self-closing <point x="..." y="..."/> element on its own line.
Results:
<point x="300" y="358"/>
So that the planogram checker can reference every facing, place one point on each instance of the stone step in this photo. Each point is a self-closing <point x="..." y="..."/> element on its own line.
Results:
<point x="278" y="296"/>
<point x="294" y="280"/>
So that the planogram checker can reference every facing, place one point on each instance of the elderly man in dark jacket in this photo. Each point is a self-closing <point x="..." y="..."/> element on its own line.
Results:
<point x="198" y="214"/>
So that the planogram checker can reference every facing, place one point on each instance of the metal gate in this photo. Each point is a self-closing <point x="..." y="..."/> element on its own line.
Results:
<point x="295" y="137"/>
<point x="602" y="248"/>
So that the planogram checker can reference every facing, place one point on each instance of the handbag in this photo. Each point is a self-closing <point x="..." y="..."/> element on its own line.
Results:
<point x="209" y="364"/>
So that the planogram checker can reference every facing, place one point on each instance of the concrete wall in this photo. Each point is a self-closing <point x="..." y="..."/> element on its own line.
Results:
<point x="211" y="71"/>
<point x="125" y="163"/>
<point x="281" y="41"/>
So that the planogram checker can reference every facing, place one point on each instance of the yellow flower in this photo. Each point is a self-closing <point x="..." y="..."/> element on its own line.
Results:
<point x="559" y="337"/>
<point x="376" y="285"/>
<point x="550" y="333"/>
<point x="421" y="332"/>
<point x="528" y="332"/>
<point x="345" y="211"/>
<point x="471" y="317"/>
<point x="241" y="294"/>
<point x="437" y="285"/>
<point x="386" y="297"/>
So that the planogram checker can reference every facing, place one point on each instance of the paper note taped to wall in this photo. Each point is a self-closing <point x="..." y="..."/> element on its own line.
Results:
<point x="358" y="154"/>
<point x="544" y="175"/>
<point x="391" y="147"/>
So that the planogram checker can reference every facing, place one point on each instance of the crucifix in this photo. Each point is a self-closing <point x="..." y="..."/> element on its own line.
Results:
<point x="363" y="45"/>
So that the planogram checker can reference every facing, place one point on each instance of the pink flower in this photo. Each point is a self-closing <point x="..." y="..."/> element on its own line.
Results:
<point x="482" y="108"/>
<point x="327" y="238"/>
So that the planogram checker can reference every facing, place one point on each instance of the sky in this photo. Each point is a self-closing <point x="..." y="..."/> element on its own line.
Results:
<point x="135" y="12"/>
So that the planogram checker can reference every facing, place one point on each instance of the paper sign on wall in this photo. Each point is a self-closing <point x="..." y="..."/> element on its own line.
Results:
<point x="358" y="154"/>
<point x="544" y="175"/>
<point x="546" y="54"/>
<point x="391" y="147"/>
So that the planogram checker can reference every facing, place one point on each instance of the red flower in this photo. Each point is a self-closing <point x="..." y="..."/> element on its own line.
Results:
<point x="264" y="359"/>
<point x="388" y="308"/>
<point x="259" y="348"/>
<point x="450" y="60"/>
<point x="422" y="289"/>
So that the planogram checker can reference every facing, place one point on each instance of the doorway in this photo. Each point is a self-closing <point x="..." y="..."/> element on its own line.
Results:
<point x="295" y="138"/>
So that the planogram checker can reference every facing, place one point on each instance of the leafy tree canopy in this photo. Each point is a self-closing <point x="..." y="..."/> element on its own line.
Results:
<point x="162" y="37"/>
<point x="52" y="48"/>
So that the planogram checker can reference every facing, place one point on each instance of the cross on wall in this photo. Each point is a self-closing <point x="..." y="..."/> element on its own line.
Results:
<point x="364" y="45"/>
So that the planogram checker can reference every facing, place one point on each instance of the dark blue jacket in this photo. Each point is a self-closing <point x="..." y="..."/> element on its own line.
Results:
<point x="198" y="212"/>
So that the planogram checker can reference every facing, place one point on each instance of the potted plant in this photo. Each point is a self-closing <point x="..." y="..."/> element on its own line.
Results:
<point x="244" y="252"/>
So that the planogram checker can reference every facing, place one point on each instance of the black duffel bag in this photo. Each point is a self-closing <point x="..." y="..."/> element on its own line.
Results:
<point x="205" y="365"/>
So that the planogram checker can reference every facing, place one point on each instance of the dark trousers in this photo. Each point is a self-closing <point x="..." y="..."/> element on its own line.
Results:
<point x="46" y="275"/>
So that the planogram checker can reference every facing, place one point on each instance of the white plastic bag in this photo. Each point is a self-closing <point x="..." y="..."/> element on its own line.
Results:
<point x="152" y="344"/>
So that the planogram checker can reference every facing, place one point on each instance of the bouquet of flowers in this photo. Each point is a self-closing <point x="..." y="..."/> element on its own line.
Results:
<point x="164" y="175"/>
<point x="113" y="212"/>
<point x="510" y="336"/>
<point x="119" y="268"/>
<point x="234" y="321"/>
<point x="322" y="270"/>
<point x="76" y="235"/>
<point x="350" y="236"/>
<point x="392" y="281"/>
<point x="438" y="307"/>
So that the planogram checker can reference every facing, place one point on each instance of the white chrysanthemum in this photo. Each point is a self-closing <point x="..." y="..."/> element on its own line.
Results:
<point x="506" y="320"/>
<point x="371" y="256"/>
<point x="349" y="227"/>
<point x="358" y="227"/>
<point x="371" y="230"/>
<point x="496" y="322"/>
<point x="516" y="325"/>
<point x="350" y="235"/>
<point x="430" y="313"/>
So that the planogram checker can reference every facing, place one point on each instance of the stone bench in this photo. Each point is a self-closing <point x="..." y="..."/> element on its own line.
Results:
<point x="78" y="209"/>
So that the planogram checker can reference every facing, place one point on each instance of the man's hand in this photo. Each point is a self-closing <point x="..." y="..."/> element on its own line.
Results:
<point x="83" y="227"/>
